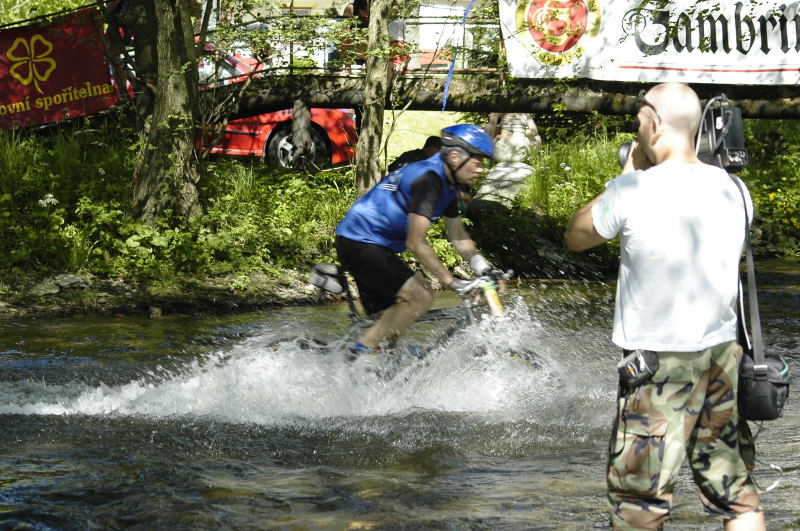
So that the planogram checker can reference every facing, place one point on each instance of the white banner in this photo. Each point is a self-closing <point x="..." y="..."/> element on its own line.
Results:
<point x="748" y="42"/>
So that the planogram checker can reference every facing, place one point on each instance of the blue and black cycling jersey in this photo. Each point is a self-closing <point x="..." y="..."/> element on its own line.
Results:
<point x="381" y="215"/>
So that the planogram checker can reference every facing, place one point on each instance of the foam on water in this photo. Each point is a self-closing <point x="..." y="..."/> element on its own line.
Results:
<point x="497" y="367"/>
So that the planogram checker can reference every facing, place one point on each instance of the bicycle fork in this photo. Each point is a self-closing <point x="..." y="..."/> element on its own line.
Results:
<point x="492" y="299"/>
<point x="489" y="291"/>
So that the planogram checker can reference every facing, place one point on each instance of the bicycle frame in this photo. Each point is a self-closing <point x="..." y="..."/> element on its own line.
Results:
<point x="329" y="278"/>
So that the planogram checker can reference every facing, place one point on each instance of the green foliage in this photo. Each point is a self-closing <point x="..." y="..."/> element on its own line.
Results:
<point x="560" y="126"/>
<point x="773" y="177"/>
<point x="486" y="50"/>
<point x="570" y="173"/>
<point x="274" y="31"/>
<point x="437" y="237"/>
<point x="255" y="220"/>
<point x="523" y="239"/>
<point x="17" y="10"/>
<point x="287" y="220"/>
<point x="579" y="155"/>
<point x="64" y="206"/>
<point x="528" y="237"/>
<point x="41" y="180"/>
<point x="477" y="118"/>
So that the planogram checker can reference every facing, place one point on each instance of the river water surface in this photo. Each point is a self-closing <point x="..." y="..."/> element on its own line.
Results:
<point x="235" y="423"/>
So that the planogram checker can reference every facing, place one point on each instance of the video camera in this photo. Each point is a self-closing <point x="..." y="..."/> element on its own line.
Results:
<point x="720" y="140"/>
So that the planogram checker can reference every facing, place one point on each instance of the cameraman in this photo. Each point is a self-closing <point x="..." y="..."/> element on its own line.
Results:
<point x="681" y="239"/>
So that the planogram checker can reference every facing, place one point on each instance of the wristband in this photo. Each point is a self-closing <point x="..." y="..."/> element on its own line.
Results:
<point x="479" y="264"/>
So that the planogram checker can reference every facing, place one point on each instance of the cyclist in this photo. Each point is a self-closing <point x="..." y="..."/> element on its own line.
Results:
<point x="396" y="215"/>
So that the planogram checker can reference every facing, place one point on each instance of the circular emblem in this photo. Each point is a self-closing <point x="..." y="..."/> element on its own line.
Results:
<point x="557" y="26"/>
<point x="553" y="30"/>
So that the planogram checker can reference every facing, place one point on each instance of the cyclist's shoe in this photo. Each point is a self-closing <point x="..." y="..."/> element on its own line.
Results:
<point x="415" y="351"/>
<point x="361" y="351"/>
<point x="360" y="348"/>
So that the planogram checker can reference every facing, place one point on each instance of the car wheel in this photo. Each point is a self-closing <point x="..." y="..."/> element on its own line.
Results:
<point x="280" y="148"/>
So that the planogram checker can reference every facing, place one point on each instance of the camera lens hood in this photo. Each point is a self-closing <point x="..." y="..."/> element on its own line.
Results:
<point x="623" y="152"/>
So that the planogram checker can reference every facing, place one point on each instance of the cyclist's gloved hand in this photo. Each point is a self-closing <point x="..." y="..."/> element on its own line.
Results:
<point x="495" y="274"/>
<point x="483" y="267"/>
<point x="458" y="284"/>
<point x="480" y="265"/>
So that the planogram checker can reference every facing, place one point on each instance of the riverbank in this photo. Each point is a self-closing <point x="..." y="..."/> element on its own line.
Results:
<point x="72" y="295"/>
<point x="68" y="295"/>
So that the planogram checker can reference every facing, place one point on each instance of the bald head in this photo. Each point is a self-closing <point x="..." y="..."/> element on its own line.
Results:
<point x="669" y="118"/>
<point x="678" y="106"/>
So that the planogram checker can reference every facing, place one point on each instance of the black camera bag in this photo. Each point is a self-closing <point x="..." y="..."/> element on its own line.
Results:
<point x="763" y="378"/>
<point x="763" y="388"/>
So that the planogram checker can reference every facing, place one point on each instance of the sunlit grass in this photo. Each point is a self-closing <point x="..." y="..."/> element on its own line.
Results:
<point x="409" y="129"/>
<point x="65" y="204"/>
<point x="567" y="175"/>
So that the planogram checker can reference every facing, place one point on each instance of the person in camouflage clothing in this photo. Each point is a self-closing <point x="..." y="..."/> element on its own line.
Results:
<point x="680" y="223"/>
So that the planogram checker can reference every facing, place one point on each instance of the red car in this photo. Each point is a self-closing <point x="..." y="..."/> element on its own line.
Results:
<point x="269" y="135"/>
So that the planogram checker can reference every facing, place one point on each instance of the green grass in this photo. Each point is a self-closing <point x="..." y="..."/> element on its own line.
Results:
<point x="411" y="128"/>
<point x="567" y="175"/>
<point x="65" y="206"/>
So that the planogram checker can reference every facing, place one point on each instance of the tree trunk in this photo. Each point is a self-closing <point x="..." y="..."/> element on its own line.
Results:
<point x="145" y="56"/>
<point x="301" y="136"/>
<point x="368" y="169"/>
<point x="166" y="175"/>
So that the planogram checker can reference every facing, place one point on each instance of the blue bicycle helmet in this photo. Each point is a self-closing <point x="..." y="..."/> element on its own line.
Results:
<point x="471" y="138"/>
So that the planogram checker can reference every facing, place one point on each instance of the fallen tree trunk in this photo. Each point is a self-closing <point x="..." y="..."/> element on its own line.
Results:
<point x="488" y="92"/>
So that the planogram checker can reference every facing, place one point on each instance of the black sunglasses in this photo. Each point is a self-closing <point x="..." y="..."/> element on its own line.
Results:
<point x="644" y="103"/>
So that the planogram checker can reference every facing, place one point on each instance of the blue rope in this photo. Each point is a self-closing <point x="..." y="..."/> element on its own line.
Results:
<point x="455" y="55"/>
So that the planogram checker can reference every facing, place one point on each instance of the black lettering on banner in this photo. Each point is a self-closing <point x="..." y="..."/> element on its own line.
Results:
<point x="661" y="18"/>
<point x="710" y="42"/>
<point x="762" y="26"/>
<point x="684" y="23"/>
<point x="741" y="38"/>
<point x="710" y="30"/>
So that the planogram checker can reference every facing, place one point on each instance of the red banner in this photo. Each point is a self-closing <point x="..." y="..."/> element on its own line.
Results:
<point x="53" y="72"/>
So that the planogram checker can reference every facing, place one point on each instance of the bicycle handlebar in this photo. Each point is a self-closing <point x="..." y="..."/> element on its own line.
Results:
<point x="478" y="281"/>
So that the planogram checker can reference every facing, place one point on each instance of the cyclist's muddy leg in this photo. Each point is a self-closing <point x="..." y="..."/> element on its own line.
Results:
<point x="414" y="300"/>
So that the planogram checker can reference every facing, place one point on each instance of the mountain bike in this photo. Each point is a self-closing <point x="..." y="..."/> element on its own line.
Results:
<point x="480" y="302"/>
<point x="479" y="291"/>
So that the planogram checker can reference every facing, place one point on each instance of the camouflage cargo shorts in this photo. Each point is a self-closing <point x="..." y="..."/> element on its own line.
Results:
<point x="688" y="410"/>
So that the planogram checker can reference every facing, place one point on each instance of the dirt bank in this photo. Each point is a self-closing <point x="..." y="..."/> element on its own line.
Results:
<point x="83" y="294"/>
<point x="72" y="295"/>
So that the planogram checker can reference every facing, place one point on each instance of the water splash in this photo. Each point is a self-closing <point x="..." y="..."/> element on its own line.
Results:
<point x="499" y="368"/>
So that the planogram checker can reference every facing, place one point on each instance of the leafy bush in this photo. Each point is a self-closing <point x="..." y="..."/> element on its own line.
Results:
<point x="64" y="207"/>
<point x="14" y="10"/>
<point x="570" y="173"/>
<point x="42" y="180"/>
<point x="773" y="177"/>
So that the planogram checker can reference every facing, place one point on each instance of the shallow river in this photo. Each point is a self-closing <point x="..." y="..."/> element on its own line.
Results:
<point x="233" y="422"/>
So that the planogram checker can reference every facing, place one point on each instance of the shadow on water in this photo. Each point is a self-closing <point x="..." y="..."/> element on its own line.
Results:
<point x="247" y="422"/>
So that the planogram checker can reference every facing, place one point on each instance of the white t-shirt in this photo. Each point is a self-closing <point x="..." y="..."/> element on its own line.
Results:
<point x="682" y="231"/>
